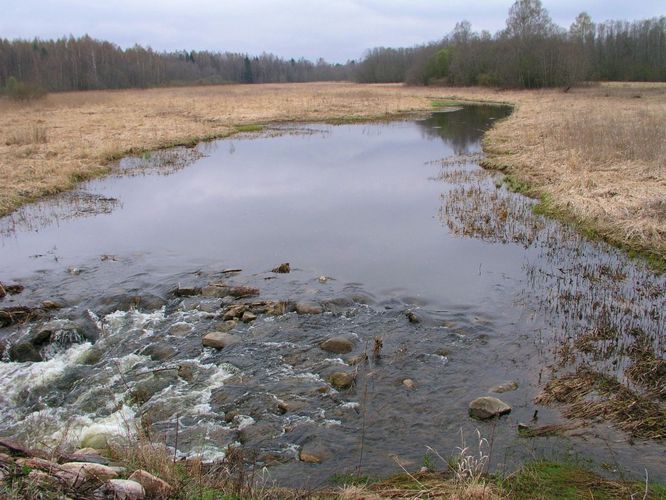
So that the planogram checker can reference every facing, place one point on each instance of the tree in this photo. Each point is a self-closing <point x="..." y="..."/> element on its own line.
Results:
<point x="528" y="19"/>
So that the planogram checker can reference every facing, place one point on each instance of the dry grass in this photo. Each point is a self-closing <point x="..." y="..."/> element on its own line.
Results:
<point x="596" y="153"/>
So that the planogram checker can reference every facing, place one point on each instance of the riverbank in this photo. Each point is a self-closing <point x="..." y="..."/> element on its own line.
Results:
<point x="594" y="155"/>
<point x="147" y="470"/>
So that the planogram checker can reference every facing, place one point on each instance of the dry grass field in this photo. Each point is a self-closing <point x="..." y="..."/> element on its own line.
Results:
<point x="596" y="155"/>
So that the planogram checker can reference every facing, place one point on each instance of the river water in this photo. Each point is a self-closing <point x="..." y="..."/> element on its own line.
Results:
<point x="377" y="230"/>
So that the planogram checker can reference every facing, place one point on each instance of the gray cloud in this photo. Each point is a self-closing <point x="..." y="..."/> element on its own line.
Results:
<point x="334" y="29"/>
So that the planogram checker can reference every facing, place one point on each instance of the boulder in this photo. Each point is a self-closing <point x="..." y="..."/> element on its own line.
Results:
<point x="412" y="317"/>
<point x="313" y="453"/>
<point x="337" y="345"/>
<point x="219" y="340"/>
<point x="159" y="351"/>
<point x="49" y="305"/>
<point x="409" y="383"/>
<point x="24" y="352"/>
<point x="341" y="380"/>
<point x="243" y="291"/>
<point x="308" y="308"/>
<point x="152" y="485"/>
<point x="216" y="291"/>
<point x="234" y="312"/>
<point x="186" y="372"/>
<point x="357" y="360"/>
<point x="488" y="407"/>
<point x="505" y="387"/>
<point x="187" y="291"/>
<point x="180" y="329"/>
<point x="95" y="440"/>
<point x="121" y="489"/>
<point x="282" y="268"/>
<point x="248" y="317"/>
<point x="90" y="470"/>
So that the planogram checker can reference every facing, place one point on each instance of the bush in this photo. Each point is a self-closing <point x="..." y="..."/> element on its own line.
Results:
<point x="22" y="91"/>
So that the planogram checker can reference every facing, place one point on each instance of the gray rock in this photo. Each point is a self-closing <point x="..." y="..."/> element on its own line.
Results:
<point x="488" y="407"/>
<point x="187" y="291"/>
<point x="314" y="453"/>
<point x="337" y="345"/>
<point x="92" y="470"/>
<point x="341" y="380"/>
<point x="159" y="351"/>
<point x="152" y="485"/>
<point x="243" y="291"/>
<point x="409" y="383"/>
<point x="219" y="340"/>
<point x="248" y="317"/>
<point x="505" y="387"/>
<point x="308" y="308"/>
<point x="24" y="352"/>
<point x="217" y="291"/>
<point x="180" y="329"/>
<point x="121" y="489"/>
<point x="282" y="268"/>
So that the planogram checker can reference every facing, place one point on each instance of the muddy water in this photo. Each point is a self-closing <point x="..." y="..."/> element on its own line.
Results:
<point x="374" y="228"/>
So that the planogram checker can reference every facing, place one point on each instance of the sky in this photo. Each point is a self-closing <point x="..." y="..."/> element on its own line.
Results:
<point x="337" y="30"/>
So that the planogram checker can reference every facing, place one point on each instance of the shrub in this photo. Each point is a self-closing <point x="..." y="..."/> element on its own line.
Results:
<point x="22" y="91"/>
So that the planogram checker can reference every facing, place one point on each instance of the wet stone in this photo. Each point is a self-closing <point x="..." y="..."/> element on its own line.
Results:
<point x="313" y="453"/>
<point x="219" y="340"/>
<point x="505" y="387"/>
<point x="308" y="308"/>
<point x="409" y="383"/>
<point x="181" y="329"/>
<point x="341" y="380"/>
<point x="488" y="407"/>
<point x="217" y="291"/>
<point x="159" y="351"/>
<point x="337" y="345"/>
<point x="24" y="352"/>
<point x="248" y="317"/>
<point x="282" y="268"/>
<point x="187" y="291"/>
<point x="243" y="291"/>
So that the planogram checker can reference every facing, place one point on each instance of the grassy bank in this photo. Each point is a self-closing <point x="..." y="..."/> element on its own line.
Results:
<point x="595" y="155"/>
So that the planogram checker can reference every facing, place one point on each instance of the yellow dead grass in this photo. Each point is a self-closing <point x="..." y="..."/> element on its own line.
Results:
<point x="597" y="153"/>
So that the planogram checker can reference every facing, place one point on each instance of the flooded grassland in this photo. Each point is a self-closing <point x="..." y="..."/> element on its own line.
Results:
<point x="417" y="282"/>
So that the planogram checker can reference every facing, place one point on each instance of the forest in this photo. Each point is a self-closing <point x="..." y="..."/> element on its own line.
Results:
<point x="530" y="52"/>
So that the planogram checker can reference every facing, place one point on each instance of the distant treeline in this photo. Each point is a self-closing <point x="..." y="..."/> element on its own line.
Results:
<point x="530" y="52"/>
<point x="85" y="63"/>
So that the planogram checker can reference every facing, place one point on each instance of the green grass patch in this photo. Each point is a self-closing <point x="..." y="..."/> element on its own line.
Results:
<point x="351" y="480"/>
<point x="546" y="480"/>
<point x="248" y="128"/>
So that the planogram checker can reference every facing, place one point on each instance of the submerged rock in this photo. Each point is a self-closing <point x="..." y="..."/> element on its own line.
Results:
<point x="341" y="380"/>
<point x="409" y="383"/>
<point x="337" y="345"/>
<point x="159" y="351"/>
<point x="308" y="308"/>
<point x="248" y="317"/>
<point x="216" y="290"/>
<point x="24" y="352"/>
<point x="219" y="340"/>
<point x="243" y="291"/>
<point x="488" y="407"/>
<point x="313" y="453"/>
<point x="187" y="291"/>
<point x="505" y="387"/>
<point x="282" y="268"/>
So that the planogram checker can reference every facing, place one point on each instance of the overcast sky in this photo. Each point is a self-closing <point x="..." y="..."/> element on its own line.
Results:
<point x="336" y="30"/>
